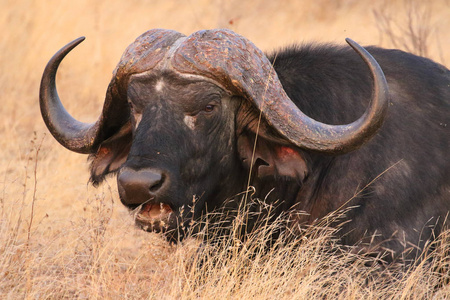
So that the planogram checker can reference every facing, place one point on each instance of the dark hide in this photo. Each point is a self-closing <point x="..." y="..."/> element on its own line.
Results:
<point x="400" y="180"/>
<point x="398" y="183"/>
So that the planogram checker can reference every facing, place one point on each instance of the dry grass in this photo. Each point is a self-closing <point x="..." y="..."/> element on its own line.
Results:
<point x="61" y="238"/>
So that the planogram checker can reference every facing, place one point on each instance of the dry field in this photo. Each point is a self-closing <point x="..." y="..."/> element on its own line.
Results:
<point x="62" y="238"/>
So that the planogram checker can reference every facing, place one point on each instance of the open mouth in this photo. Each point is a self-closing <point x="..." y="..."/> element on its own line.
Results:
<point x="154" y="216"/>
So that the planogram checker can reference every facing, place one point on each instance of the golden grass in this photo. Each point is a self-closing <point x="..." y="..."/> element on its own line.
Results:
<point x="61" y="238"/>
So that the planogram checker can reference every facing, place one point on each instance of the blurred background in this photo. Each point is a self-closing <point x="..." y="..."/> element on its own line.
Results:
<point x="45" y="199"/>
<point x="32" y="31"/>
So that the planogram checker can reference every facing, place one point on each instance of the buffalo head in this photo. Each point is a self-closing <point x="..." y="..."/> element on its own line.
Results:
<point x="181" y="118"/>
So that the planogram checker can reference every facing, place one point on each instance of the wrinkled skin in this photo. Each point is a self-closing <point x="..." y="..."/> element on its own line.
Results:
<point x="195" y="134"/>
<point x="403" y="207"/>
<point x="199" y="141"/>
<point x="185" y="144"/>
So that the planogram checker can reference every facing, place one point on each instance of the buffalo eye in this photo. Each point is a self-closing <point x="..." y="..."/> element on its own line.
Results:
<point x="209" y="108"/>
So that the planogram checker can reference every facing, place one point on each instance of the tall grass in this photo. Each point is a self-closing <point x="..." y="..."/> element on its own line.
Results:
<point x="97" y="258"/>
<point x="61" y="238"/>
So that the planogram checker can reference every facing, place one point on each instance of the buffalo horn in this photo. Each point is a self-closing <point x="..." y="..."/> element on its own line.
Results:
<point x="142" y="55"/>
<point x="72" y="134"/>
<point x="238" y="65"/>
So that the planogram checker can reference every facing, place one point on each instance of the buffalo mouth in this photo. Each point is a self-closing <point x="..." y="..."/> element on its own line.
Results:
<point x="157" y="217"/>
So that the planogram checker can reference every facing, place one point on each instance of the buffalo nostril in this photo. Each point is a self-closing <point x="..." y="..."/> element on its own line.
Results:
<point x="156" y="185"/>
<point x="137" y="187"/>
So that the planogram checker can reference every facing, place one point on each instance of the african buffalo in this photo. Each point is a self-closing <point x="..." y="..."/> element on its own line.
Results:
<point x="316" y="127"/>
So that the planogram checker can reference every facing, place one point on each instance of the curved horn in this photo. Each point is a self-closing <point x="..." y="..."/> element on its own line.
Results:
<point x="144" y="54"/>
<point x="72" y="134"/>
<point x="240" y="66"/>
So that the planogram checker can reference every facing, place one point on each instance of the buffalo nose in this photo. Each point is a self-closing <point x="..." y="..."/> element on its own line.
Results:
<point x="137" y="187"/>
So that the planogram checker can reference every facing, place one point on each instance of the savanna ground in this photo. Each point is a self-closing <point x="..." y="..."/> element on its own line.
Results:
<point x="62" y="238"/>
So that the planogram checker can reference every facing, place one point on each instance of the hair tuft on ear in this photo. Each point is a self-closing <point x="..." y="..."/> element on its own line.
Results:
<point x="270" y="159"/>
<point x="111" y="154"/>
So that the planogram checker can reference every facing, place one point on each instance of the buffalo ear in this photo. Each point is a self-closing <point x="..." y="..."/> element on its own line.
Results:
<point x="111" y="154"/>
<point x="271" y="159"/>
